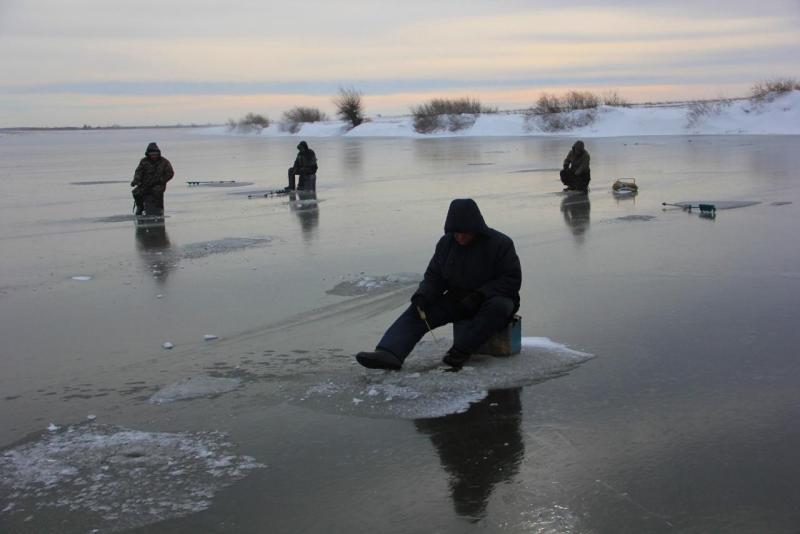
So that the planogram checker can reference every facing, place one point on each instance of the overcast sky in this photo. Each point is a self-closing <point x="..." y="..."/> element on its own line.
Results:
<point x="124" y="62"/>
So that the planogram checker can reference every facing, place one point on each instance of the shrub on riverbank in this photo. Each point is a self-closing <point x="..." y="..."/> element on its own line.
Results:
<point x="774" y="86"/>
<point x="349" y="106"/>
<point x="447" y="114"/>
<point x="295" y="117"/>
<point x="249" y="123"/>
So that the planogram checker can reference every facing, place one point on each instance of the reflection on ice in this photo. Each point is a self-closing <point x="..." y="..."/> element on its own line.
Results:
<point x="425" y="388"/>
<point x="479" y="448"/>
<point x="116" y="478"/>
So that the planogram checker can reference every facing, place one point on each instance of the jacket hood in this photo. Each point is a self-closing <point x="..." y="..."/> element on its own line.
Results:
<point x="152" y="148"/>
<point x="464" y="217"/>
<point x="578" y="146"/>
<point x="302" y="146"/>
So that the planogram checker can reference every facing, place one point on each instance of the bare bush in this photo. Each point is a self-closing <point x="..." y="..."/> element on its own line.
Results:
<point x="295" y="117"/>
<point x="349" y="106"/>
<point x="565" y="120"/>
<point x="248" y="123"/>
<point x="612" y="98"/>
<point x="773" y="86"/>
<point x="552" y="113"/>
<point x="450" y="114"/>
<point x="700" y="109"/>
<point x="580" y="100"/>
<point x="547" y="104"/>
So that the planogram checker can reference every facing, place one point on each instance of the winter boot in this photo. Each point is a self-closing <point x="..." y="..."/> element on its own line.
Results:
<point x="380" y="359"/>
<point x="455" y="358"/>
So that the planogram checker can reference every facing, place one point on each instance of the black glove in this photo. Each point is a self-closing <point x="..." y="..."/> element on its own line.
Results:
<point x="420" y="301"/>
<point x="471" y="303"/>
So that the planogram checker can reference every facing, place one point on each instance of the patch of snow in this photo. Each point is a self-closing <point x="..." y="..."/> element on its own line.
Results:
<point x="194" y="387"/>
<point x="210" y="337"/>
<point x="425" y="388"/>
<point x="120" y="478"/>
<point x="364" y="284"/>
<point x="167" y="345"/>
<point x="82" y="278"/>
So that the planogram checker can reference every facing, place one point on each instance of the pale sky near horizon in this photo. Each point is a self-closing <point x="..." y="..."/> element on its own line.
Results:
<point x="104" y="62"/>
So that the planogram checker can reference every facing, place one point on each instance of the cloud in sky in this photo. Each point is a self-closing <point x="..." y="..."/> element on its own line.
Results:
<point x="265" y="53"/>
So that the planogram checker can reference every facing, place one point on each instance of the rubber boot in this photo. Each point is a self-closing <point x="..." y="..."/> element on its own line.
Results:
<point x="379" y="359"/>
<point x="455" y="358"/>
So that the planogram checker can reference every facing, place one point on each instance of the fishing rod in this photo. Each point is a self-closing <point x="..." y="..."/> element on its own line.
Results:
<point x="707" y="209"/>
<point x="201" y="182"/>
<point x="270" y="193"/>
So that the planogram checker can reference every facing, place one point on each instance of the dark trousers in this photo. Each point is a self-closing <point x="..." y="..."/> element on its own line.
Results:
<point x="469" y="332"/>
<point x="150" y="202"/>
<point x="573" y="181"/>
<point x="308" y="182"/>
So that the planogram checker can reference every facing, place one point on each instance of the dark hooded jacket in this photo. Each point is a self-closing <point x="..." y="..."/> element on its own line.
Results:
<point x="489" y="264"/>
<point x="306" y="161"/>
<point x="152" y="175"/>
<point x="578" y="160"/>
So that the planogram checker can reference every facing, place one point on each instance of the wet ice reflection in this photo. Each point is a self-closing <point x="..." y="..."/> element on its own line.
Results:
<point x="479" y="448"/>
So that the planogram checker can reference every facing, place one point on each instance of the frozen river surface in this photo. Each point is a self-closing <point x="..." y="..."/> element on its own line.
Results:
<point x="657" y="389"/>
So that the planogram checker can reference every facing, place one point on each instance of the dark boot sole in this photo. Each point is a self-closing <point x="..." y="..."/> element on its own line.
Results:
<point x="373" y="361"/>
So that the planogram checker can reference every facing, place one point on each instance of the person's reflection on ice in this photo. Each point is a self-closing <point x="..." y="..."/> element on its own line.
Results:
<point x="304" y="204"/>
<point x="576" y="207"/>
<point x="153" y="245"/>
<point x="479" y="448"/>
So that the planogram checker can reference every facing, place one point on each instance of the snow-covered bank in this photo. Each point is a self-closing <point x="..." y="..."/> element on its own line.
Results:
<point x="779" y="115"/>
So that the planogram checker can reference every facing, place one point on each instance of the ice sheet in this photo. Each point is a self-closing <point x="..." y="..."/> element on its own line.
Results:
<point x="426" y="388"/>
<point x="195" y="387"/>
<point x="121" y="478"/>
<point x="363" y="284"/>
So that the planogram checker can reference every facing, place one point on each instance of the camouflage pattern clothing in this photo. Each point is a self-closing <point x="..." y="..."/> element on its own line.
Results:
<point x="151" y="177"/>
<point x="576" y="173"/>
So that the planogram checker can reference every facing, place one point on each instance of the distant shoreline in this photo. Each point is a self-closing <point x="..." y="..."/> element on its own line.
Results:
<point x="90" y="128"/>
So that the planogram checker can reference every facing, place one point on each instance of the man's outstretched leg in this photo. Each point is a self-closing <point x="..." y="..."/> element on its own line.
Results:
<point x="401" y="338"/>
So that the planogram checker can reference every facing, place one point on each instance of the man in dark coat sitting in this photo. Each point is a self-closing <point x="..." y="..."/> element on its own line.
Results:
<point x="473" y="280"/>
<point x="576" y="174"/>
<point x="305" y="166"/>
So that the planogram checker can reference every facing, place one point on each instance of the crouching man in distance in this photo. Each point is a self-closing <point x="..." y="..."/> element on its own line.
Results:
<point x="472" y="280"/>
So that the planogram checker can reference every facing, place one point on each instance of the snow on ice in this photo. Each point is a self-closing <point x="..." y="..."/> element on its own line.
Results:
<point x="120" y="478"/>
<point x="426" y="388"/>
<point x="364" y="284"/>
<point x="194" y="387"/>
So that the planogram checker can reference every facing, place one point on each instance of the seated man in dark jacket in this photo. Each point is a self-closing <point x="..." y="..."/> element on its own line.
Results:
<point x="305" y="165"/>
<point x="150" y="181"/>
<point x="576" y="174"/>
<point x="474" y="278"/>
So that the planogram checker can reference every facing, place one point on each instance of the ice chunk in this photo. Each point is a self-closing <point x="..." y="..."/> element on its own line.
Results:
<point x="365" y="284"/>
<point x="548" y="344"/>
<point x="52" y="427"/>
<point x="82" y="278"/>
<point x="194" y="387"/>
<point x="210" y="337"/>
<point x="122" y="478"/>
<point x="424" y="389"/>
<point x="167" y="345"/>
